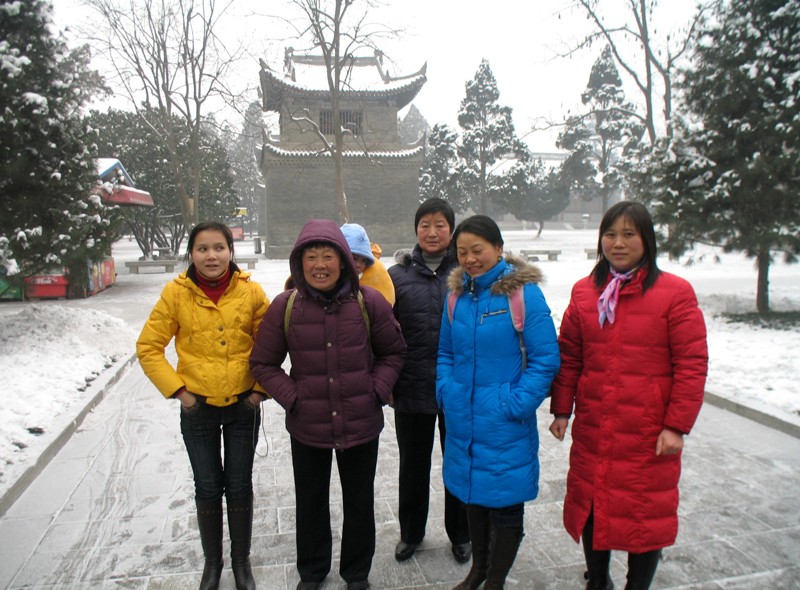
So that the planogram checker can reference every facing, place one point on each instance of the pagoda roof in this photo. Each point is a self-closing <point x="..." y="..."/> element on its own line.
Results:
<point x="410" y="151"/>
<point x="304" y="77"/>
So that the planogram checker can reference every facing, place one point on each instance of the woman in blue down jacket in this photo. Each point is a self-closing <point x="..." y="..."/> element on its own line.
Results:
<point x="490" y="393"/>
<point x="343" y="371"/>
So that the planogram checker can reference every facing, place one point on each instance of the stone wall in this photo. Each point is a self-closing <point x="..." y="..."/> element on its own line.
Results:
<point x="382" y="196"/>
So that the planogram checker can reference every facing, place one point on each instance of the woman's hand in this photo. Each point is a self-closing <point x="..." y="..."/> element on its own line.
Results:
<point x="559" y="427"/>
<point x="669" y="442"/>
<point x="187" y="399"/>
<point x="255" y="399"/>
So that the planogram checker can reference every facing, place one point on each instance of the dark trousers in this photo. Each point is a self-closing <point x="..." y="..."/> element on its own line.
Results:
<point x="205" y="428"/>
<point x="641" y="566"/>
<point x="415" y="433"/>
<point x="312" y="482"/>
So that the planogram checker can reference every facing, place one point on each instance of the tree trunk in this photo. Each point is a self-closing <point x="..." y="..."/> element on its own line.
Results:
<point x="762" y="291"/>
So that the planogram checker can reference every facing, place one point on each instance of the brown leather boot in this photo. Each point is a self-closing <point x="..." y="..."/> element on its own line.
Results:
<point x="240" y="524"/>
<point x="209" y="521"/>
<point x="502" y="553"/>
<point x="479" y="531"/>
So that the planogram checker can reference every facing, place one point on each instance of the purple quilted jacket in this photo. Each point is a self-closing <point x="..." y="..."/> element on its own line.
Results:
<point x="336" y="388"/>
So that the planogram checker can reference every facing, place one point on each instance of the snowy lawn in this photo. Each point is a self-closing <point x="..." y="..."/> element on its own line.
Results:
<point x="51" y="353"/>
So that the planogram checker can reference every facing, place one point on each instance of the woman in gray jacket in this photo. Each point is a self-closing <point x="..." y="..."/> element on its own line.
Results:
<point x="346" y="351"/>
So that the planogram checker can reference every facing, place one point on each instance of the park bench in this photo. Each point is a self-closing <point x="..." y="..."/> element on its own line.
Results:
<point x="535" y="255"/>
<point x="250" y="261"/>
<point x="591" y="253"/>
<point x="135" y="265"/>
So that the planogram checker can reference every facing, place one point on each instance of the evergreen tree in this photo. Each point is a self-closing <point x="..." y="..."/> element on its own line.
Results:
<point x="242" y="153"/>
<point x="598" y="138"/>
<point x="489" y="143"/>
<point x="531" y="194"/>
<point x="413" y="126"/>
<point x="733" y="178"/>
<point x="438" y="177"/>
<point x="125" y="136"/>
<point x="47" y="164"/>
<point x="128" y="137"/>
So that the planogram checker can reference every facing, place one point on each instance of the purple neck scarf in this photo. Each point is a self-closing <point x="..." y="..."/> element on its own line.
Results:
<point x="607" y="304"/>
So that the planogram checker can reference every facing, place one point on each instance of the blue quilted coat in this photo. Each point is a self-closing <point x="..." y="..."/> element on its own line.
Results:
<point x="489" y="401"/>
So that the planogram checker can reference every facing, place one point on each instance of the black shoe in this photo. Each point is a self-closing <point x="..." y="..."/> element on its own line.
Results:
<point x="462" y="552"/>
<point x="404" y="550"/>
<point x="362" y="585"/>
<point x="308" y="585"/>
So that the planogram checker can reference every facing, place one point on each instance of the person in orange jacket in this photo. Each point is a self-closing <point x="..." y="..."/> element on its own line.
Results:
<point x="371" y="271"/>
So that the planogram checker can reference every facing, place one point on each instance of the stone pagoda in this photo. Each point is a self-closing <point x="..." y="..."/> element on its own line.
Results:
<point x="381" y="173"/>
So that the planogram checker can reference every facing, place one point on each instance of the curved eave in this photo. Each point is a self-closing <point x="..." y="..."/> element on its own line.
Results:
<point x="276" y="91"/>
<point x="402" y="154"/>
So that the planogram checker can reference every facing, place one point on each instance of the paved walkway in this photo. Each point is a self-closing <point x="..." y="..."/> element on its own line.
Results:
<point x="114" y="509"/>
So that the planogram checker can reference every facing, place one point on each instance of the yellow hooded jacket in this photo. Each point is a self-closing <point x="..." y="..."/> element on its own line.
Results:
<point x="377" y="277"/>
<point x="213" y="341"/>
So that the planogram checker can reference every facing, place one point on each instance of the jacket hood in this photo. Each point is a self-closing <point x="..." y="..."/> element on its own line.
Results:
<point x="520" y="273"/>
<point x="322" y="230"/>
<point x="403" y="256"/>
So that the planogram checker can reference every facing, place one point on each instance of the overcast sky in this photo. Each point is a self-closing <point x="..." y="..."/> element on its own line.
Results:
<point x="522" y="40"/>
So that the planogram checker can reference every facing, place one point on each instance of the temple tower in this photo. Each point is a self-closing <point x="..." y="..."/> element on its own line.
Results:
<point x="381" y="173"/>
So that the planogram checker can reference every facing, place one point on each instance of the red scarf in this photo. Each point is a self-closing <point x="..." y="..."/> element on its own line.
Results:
<point x="213" y="288"/>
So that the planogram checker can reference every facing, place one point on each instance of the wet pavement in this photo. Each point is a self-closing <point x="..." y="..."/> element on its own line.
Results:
<point x="114" y="507"/>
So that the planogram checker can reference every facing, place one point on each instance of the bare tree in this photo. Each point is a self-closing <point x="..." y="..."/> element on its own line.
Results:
<point x="170" y="62"/>
<point x="338" y="30"/>
<point x="659" y="55"/>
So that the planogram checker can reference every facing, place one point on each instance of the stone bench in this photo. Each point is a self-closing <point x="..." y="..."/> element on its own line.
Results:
<point x="135" y="265"/>
<point x="534" y="255"/>
<point x="250" y="261"/>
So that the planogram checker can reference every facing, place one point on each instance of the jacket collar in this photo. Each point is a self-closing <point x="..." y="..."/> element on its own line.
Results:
<point x="507" y="275"/>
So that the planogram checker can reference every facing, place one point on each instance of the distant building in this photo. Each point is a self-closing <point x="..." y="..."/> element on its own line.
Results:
<point x="381" y="172"/>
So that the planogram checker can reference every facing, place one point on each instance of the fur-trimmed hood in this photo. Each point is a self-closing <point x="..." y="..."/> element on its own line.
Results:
<point x="520" y="273"/>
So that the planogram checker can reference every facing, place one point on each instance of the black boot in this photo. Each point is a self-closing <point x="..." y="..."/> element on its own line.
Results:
<point x="598" y="583"/>
<point x="209" y="521"/>
<point x="642" y="569"/>
<point x="597" y="562"/>
<point x="479" y="529"/>
<point x="502" y="553"/>
<point x="240" y="524"/>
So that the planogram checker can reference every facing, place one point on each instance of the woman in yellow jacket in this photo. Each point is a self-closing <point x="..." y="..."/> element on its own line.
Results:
<point x="213" y="311"/>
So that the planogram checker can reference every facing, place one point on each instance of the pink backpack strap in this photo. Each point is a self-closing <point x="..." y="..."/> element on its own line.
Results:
<point x="517" y="303"/>
<point x="451" y="304"/>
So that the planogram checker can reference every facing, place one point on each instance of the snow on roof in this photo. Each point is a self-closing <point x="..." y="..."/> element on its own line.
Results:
<point x="111" y="168"/>
<point x="305" y="153"/>
<point x="365" y="78"/>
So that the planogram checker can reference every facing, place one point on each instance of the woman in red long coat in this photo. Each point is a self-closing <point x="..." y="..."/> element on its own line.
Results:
<point x="633" y="370"/>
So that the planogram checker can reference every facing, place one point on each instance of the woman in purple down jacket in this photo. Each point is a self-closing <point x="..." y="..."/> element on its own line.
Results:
<point x="346" y="351"/>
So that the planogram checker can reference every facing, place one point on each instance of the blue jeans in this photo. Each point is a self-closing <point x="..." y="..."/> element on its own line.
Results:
<point x="204" y="428"/>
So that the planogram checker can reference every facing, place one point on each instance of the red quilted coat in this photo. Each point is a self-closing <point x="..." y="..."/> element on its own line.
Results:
<point x="624" y="383"/>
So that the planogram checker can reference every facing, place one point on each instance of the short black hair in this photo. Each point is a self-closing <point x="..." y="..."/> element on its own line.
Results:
<point x="482" y="226"/>
<point x="435" y="205"/>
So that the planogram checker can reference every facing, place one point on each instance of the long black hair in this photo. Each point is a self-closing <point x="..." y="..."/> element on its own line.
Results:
<point x="640" y="217"/>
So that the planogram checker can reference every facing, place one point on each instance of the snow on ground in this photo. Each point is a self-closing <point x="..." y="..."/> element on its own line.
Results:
<point x="52" y="353"/>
